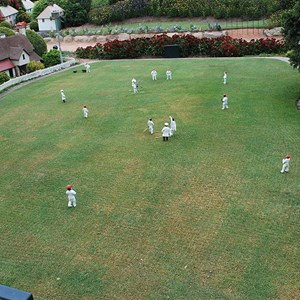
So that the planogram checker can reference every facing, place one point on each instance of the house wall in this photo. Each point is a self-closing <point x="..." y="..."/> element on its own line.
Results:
<point x="11" y="19"/>
<point x="24" y="59"/>
<point x="48" y="25"/>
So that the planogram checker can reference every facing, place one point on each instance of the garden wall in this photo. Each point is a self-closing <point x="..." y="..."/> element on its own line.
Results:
<point x="36" y="74"/>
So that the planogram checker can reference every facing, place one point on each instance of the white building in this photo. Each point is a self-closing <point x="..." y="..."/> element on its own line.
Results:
<point x="28" y="5"/>
<point x="46" y="21"/>
<point x="9" y="14"/>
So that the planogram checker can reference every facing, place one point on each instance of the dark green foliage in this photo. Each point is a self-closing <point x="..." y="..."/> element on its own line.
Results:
<point x="75" y="14"/>
<point x="39" y="6"/>
<point x="291" y="32"/>
<point x="4" y="2"/>
<point x="7" y="31"/>
<point x="51" y="58"/>
<point x="23" y="16"/>
<point x="5" y="24"/>
<point x="34" y="66"/>
<point x="37" y="42"/>
<point x="3" y="77"/>
<point x="34" y="25"/>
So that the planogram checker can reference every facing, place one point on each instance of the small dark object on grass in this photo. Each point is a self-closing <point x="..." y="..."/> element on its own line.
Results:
<point x="83" y="71"/>
<point x="298" y="103"/>
<point x="75" y="71"/>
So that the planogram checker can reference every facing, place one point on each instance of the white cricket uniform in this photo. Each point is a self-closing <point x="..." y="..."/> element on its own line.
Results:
<point x="285" y="165"/>
<point x="154" y="74"/>
<point x="134" y="85"/>
<point x="166" y="131"/>
<point x="173" y="126"/>
<point x="63" y="97"/>
<point x="88" y="68"/>
<point x="71" y="198"/>
<point x="224" y="102"/>
<point x="150" y="125"/>
<point x="169" y="74"/>
<point x="225" y="78"/>
<point x="85" y="112"/>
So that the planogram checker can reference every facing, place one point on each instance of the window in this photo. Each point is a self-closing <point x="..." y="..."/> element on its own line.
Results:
<point x="23" y="56"/>
<point x="43" y="20"/>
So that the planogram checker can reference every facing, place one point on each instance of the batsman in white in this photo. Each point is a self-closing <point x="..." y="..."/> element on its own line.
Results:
<point x="150" y="125"/>
<point x="224" y="102"/>
<point x="71" y="196"/>
<point x="225" y="78"/>
<point x="166" y="132"/>
<point x="169" y="74"/>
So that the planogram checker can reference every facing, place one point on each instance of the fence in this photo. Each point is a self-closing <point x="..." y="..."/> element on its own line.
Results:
<point x="37" y="74"/>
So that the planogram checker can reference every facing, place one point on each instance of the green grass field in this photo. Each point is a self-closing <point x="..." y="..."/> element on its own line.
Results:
<point x="206" y="215"/>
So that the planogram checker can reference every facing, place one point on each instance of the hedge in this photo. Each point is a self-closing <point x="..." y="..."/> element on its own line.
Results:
<point x="188" y="44"/>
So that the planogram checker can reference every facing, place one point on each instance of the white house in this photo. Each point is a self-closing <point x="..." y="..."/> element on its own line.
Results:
<point x="9" y="14"/>
<point x="46" y="20"/>
<point x="28" y="5"/>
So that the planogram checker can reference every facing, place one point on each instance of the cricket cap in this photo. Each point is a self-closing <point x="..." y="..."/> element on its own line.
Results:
<point x="166" y="124"/>
<point x="287" y="156"/>
<point x="61" y="90"/>
<point x="68" y="187"/>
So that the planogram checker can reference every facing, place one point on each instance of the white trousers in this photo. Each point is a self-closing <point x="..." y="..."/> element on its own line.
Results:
<point x="72" y="202"/>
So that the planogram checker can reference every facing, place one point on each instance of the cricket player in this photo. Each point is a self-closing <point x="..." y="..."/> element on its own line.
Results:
<point x="71" y="196"/>
<point x="172" y="125"/>
<point x="225" y="78"/>
<point x="150" y="125"/>
<point x="87" y="68"/>
<point x="134" y="85"/>
<point x="63" y="96"/>
<point x="85" y="111"/>
<point x="286" y="164"/>
<point x="154" y="74"/>
<point x="169" y="74"/>
<point x="166" y="132"/>
<point x="224" y="102"/>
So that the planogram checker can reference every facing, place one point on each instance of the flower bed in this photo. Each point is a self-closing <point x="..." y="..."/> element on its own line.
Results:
<point x="189" y="45"/>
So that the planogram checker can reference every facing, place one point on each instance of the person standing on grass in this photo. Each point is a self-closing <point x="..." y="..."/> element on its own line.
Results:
<point x="225" y="78"/>
<point x="87" y="68"/>
<point x="172" y="125"/>
<point x="224" y="102"/>
<point x="71" y="196"/>
<point x="166" y="132"/>
<point x="286" y="164"/>
<point x="154" y="74"/>
<point x="85" y="111"/>
<point x="150" y="125"/>
<point x="63" y="96"/>
<point x="169" y="74"/>
<point x="134" y="85"/>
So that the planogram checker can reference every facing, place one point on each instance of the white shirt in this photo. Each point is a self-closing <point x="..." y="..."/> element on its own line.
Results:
<point x="286" y="161"/>
<point x="133" y="82"/>
<point x="85" y="110"/>
<point x="225" y="75"/>
<point x="153" y="73"/>
<point x="71" y="194"/>
<point x="150" y="124"/>
<point x="166" y="131"/>
<point x="63" y="97"/>
<point x="225" y="100"/>
<point x="168" y="73"/>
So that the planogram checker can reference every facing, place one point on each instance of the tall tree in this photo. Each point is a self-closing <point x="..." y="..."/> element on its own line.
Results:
<point x="291" y="32"/>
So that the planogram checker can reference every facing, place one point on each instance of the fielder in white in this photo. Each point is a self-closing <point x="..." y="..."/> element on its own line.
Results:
<point x="169" y="74"/>
<point x="150" y="125"/>
<point x="286" y="164"/>
<point x="224" y="102"/>
<point x="166" y="131"/>
<point x="225" y="78"/>
<point x="154" y="74"/>
<point x="172" y="125"/>
<point x="85" y="111"/>
<point x="71" y="196"/>
<point x="134" y="85"/>
<point x="87" y="68"/>
<point x="63" y="96"/>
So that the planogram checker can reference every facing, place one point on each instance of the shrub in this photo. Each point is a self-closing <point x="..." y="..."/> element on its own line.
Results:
<point x="34" y="25"/>
<point x="3" y="77"/>
<point x="23" y="16"/>
<point x="37" y="42"/>
<point x="51" y="58"/>
<point x="6" y="31"/>
<point x="34" y="66"/>
<point x="188" y="45"/>
<point x="5" y="24"/>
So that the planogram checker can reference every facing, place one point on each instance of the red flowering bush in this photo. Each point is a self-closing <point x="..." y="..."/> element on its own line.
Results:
<point x="188" y="46"/>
